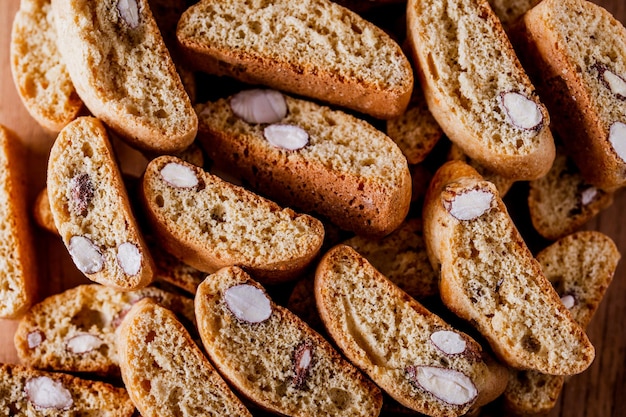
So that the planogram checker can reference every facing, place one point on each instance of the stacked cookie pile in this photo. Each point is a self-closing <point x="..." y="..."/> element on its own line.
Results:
<point x="317" y="223"/>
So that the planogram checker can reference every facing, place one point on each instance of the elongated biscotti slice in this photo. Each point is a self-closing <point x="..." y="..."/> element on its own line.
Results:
<point x="578" y="52"/>
<point x="490" y="278"/>
<point x="581" y="267"/>
<point x="311" y="157"/>
<point x="562" y="201"/>
<point x="31" y="392"/>
<point x="40" y="76"/>
<point x="123" y="72"/>
<point x="312" y="48"/>
<point x="165" y="372"/>
<point x="18" y="265"/>
<point x="91" y="209"/>
<point x="74" y="331"/>
<point x="209" y="223"/>
<point x="272" y="357"/>
<point x="411" y="353"/>
<point x="476" y="88"/>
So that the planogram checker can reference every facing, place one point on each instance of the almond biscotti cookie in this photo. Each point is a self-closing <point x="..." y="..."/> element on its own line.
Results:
<point x="209" y="223"/>
<point x="91" y="209"/>
<point x="122" y="70"/>
<point x="18" y="265"/>
<point x="580" y="266"/>
<point x="312" y="48"/>
<point x="411" y="353"/>
<point x="578" y="50"/>
<point x="74" y="331"/>
<point x="311" y="157"/>
<point x="476" y="88"/>
<point x="165" y="372"/>
<point x="489" y="277"/>
<point x="272" y="357"/>
<point x="30" y="392"/>
<point x="40" y="76"/>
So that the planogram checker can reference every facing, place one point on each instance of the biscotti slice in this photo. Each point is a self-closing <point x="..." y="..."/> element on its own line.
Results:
<point x="562" y="201"/>
<point x="578" y="50"/>
<point x="476" y="88"/>
<point x="309" y="156"/>
<point x="411" y="353"/>
<point x="165" y="372"/>
<point x="18" y="265"/>
<point x="123" y="72"/>
<point x="272" y="357"/>
<point x="74" y="330"/>
<point x="312" y="48"/>
<point x="91" y="209"/>
<point x="40" y="76"/>
<point x="489" y="277"/>
<point x="580" y="266"/>
<point x="509" y="11"/>
<point x="30" y="392"/>
<point x="209" y="223"/>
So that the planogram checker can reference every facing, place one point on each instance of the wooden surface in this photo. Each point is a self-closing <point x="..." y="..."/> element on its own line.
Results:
<point x="600" y="391"/>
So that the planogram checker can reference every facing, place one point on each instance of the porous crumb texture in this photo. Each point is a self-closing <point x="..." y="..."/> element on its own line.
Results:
<point x="402" y="258"/>
<point x="89" y="398"/>
<point x="508" y="11"/>
<point x="258" y="358"/>
<point x="165" y="372"/>
<point x="41" y="78"/>
<point x="45" y="331"/>
<point x="532" y="393"/>
<point x="508" y="297"/>
<point x="124" y="73"/>
<point x="349" y="171"/>
<point x="460" y="37"/>
<point x="17" y="252"/>
<point x="319" y="35"/>
<point x="227" y="222"/>
<point x="385" y="333"/>
<point x="562" y="201"/>
<point x="88" y="198"/>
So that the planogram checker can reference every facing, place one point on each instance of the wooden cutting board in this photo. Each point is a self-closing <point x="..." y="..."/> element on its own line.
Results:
<point x="599" y="391"/>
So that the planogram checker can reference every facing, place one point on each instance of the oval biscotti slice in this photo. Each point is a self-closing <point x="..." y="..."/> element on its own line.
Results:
<point x="30" y="392"/>
<point x="580" y="266"/>
<point x="477" y="89"/>
<point x="18" y="265"/>
<point x="578" y="52"/>
<point x="165" y="372"/>
<point x="74" y="331"/>
<point x="490" y="278"/>
<point x="272" y="357"/>
<point x="310" y="156"/>
<point x="41" y="78"/>
<point x="123" y="72"/>
<point x="91" y="209"/>
<point x="209" y="223"/>
<point x="411" y="353"/>
<point x="312" y="48"/>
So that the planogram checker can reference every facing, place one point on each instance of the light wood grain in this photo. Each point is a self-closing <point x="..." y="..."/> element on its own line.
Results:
<point x="598" y="392"/>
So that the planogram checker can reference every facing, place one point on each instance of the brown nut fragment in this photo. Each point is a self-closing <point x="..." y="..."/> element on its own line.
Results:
<point x="521" y="111"/>
<point x="35" y="338"/>
<point x="449" y="342"/>
<point x="259" y="106"/>
<point x="81" y="193"/>
<point x="469" y="204"/>
<point x="46" y="393"/>
<point x="129" y="258"/>
<point x="617" y="137"/>
<point x="288" y="137"/>
<point x="179" y="176"/>
<point x="129" y="12"/>
<point x="302" y="360"/>
<point x="448" y="385"/>
<point x="248" y="303"/>
<point x="83" y="343"/>
<point x="85" y="254"/>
